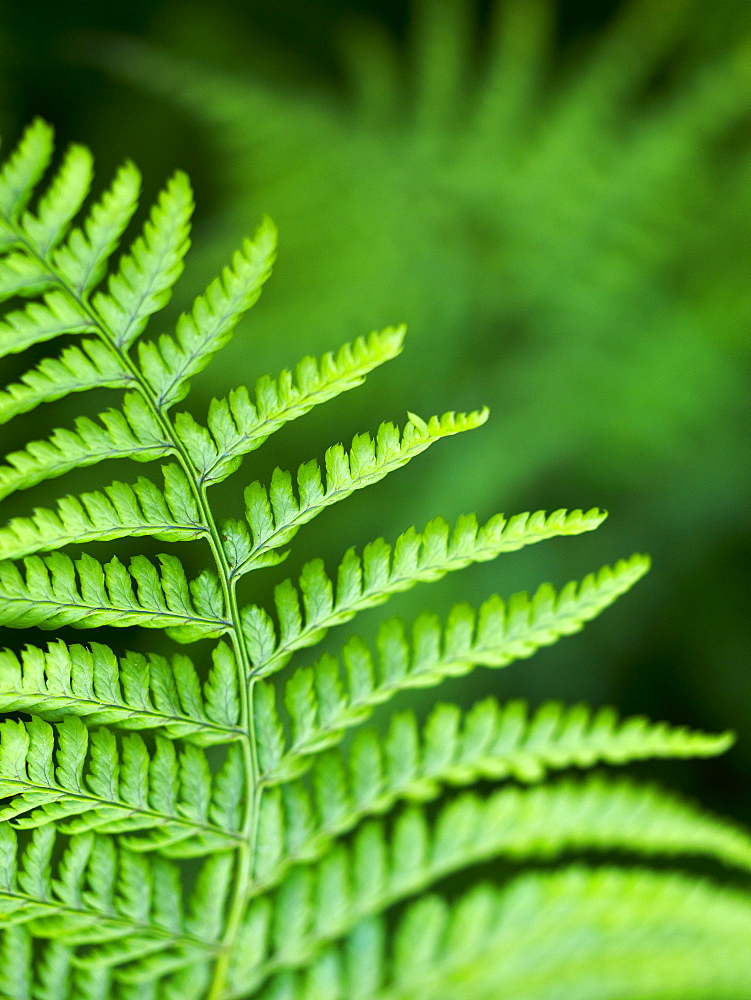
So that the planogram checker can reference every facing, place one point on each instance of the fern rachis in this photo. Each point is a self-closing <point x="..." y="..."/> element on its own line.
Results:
<point x="179" y="826"/>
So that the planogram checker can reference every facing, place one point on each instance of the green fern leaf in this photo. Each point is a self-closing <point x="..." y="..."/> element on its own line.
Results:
<point x="53" y="590"/>
<point x="168" y="364"/>
<point x="122" y="789"/>
<point x="490" y="741"/>
<point x="135" y="692"/>
<point x="132" y="432"/>
<point x="321" y="705"/>
<point x="133" y="904"/>
<point x="26" y="276"/>
<point x="77" y="369"/>
<point x="577" y="931"/>
<point x="60" y="202"/>
<point x="327" y="900"/>
<point x="542" y="822"/>
<point x="22" y="170"/>
<point x="144" y="279"/>
<point x="40" y="322"/>
<point x="170" y="514"/>
<point x="237" y="425"/>
<point x="523" y="628"/>
<point x="82" y="260"/>
<point x="51" y="976"/>
<point x="276" y="514"/>
<point x="166" y="831"/>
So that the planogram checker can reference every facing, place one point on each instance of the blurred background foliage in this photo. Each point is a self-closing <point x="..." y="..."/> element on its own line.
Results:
<point x="555" y="195"/>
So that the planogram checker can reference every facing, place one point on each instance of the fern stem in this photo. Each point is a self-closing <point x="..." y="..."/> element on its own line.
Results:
<point x="247" y="848"/>
<point x="248" y="836"/>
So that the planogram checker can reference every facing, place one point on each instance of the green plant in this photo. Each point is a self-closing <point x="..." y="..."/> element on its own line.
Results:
<point x="559" y="224"/>
<point x="222" y="825"/>
<point x="539" y="213"/>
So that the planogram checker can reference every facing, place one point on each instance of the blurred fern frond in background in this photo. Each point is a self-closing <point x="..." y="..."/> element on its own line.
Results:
<point x="565" y="228"/>
<point x="546" y="221"/>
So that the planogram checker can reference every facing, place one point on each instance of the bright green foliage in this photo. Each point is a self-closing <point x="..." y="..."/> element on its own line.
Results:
<point x="125" y="788"/>
<point x="135" y="692"/>
<point x="132" y="432"/>
<point x="143" y="281"/>
<point x="490" y="741"/>
<point x="119" y="510"/>
<point x="386" y="863"/>
<point x="196" y="827"/>
<point x="133" y="904"/>
<point x="535" y="213"/>
<point x="238" y="425"/>
<point x="577" y="938"/>
<point x="555" y="196"/>
<point x="518" y="629"/>
<point x="78" y="368"/>
<point x="53" y="590"/>
<point x="168" y="364"/>
<point x="274" y="515"/>
<point x="541" y="822"/>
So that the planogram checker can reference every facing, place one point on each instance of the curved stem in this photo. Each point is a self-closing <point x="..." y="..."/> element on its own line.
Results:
<point x="247" y="846"/>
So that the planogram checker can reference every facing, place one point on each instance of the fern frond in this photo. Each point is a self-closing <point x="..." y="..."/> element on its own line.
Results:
<point x="133" y="692"/>
<point x="276" y="514"/>
<point x="489" y="741"/>
<point x="38" y="322"/>
<point x="188" y="982"/>
<point x="541" y="822"/>
<point x="145" y="277"/>
<point x="132" y="432"/>
<point x="204" y="920"/>
<point x="130" y="779"/>
<point x="82" y="259"/>
<point x="121" y="905"/>
<point x="377" y="869"/>
<point x="54" y="590"/>
<point x="370" y="580"/>
<point x="368" y="459"/>
<point x="26" y="276"/>
<point x="238" y="425"/>
<point x="51" y="973"/>
<point x="21" y="173"/>
<point x="503" y="633"/>
<point x="121" y="510"/>
<point x="169" y="363"/>
<point x="321" y="704"/>
<point x="81" y="781"/>
<point x="592" y="934"/>
<point x="65" y="195"/>
<point x="90" y="365"/>
<point x="17" y="966"/>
